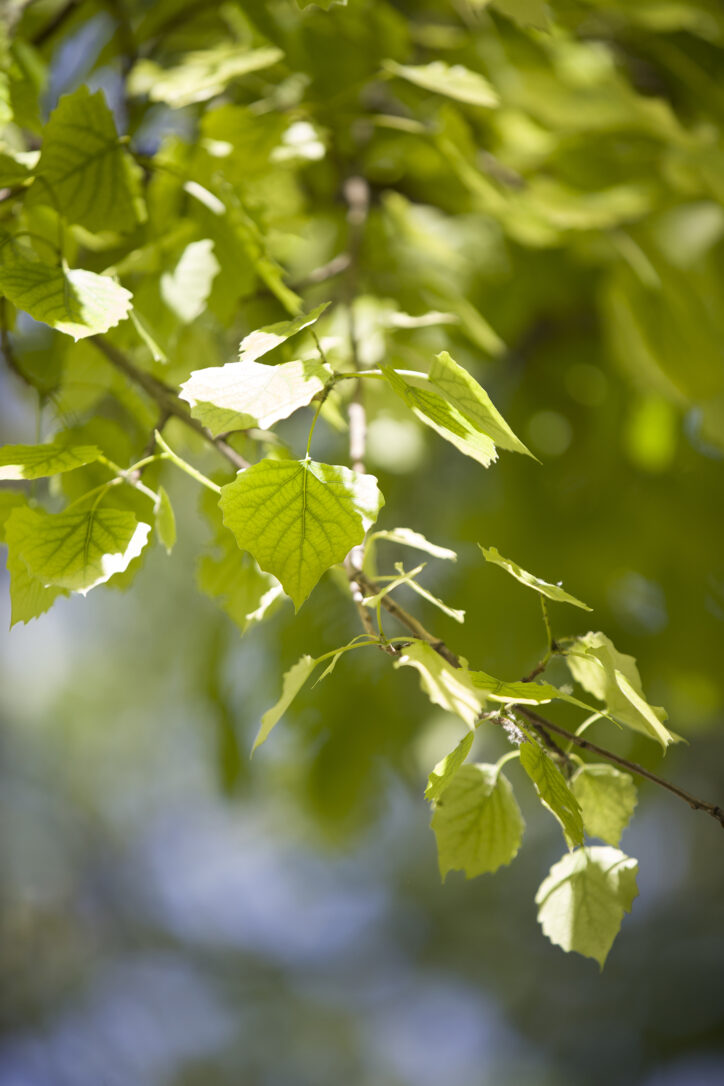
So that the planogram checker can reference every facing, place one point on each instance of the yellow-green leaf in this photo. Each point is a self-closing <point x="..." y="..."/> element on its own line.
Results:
<point x="551" y="591"/>
<point x="477" y="822"/>
<point x="553" y="791"/>
<point x="583" y="900"/>
<point x="37" y="461"/>
<point x="84" y="169"/>
<point x="299" y="517"/>
<point x="79" y="303"/>
<point x="76" y="551"/>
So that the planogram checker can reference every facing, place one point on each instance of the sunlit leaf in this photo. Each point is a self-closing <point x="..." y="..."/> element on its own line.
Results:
<point x="79" y="303"/>
<point x="293" y="681"/>
<point x="462" y="390"/>
<point x="406" y="537"/>
<point x="449" y="687"/>
<point x="613" y="677"/>
<point x="84" y="169"/>
<point x="263" y="340"/>
<point x="553" y="790"/>
<point x="37" y="461"/>
<point x="582" y="902"/>
<point x="185" y="290"/>
<point x="477" y="822"/>
<point x="447" y="767"/>
<point x="76" y="551"/>
<point x="299" y="517"/>
<point x="453" y="81"/>
<point x="551" y="591"/>
<point x="241" y="395"/>
<point x="199" y="75"/>
<point x="607" y="798"/>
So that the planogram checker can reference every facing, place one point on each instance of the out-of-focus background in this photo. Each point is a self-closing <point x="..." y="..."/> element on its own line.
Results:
<point x="173" y="914"/>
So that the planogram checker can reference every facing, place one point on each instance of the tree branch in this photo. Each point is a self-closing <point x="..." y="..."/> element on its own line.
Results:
<point x="542" y="726"/>
<point x="539" y="722"/>
<point x="166" y="398"/>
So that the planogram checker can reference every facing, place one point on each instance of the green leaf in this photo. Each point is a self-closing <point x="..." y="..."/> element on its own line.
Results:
<point x="583" y="900"/>
<point x="186" y="289"/>
<point x="525" y="693"/>
<point x="446" y="769"/>
<point x="553" y="791"/>
<point x="477" y="822"/>
<point x="613" y="678"/>
<point x="165" y="521"/>
<point x="266" y="339"/>
<point x="454" y="81"/>
<point x="551" y="591"/>
<point x="445" y="419"/>
<point x="293" y="681"/>
<point x="299" y="517"/>
<point x="449" y="687"/>
<point x="37" y="461"/>
<point x="9" y="500"/>
<point x="84" y="169"/>
<point x="79" y="303"/>
<point x="607" y="798"/>
<point x="76" y="551"/>
<point x="234" y="580"/>
<point x="471" y="399"/>
<point x="241" y="395"/>
<point x="200" y="75"/>
<point x="407" y="538"/>
<point x="29" y="598"/>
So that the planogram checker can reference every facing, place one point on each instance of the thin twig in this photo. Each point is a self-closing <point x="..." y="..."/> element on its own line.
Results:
<point x="166" y="399"/>
<point x="585" y="744"/>
<point x="542" y="726"/>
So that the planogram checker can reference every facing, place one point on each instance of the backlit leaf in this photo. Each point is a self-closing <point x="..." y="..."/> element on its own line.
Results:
<point x="37" y="461"/>
<point x="471" y="399"/>
<point x="199" y="75"/>
<point x="551" y="591"/>
<point x="446" y="769"/>
<point x="442" y="417"/>
<point x="186" y="289"/>
<point x="263" y="340"/>
<point x="477" y="822"/>
<point x="582" y="902"/>
<point x="607" y="798"/>
<point x="293" y="681"/>
<point x="234" y="580"/>
<point x="299" y="517"/>
<point x="241" y="395"/>
<point x="76" y="551"/>
<point x="84" y="169"/>
<point x="449" y="687"/>
<point x="79" y="303"/>
<point x="453" y="81"/>
<point x="553" y="790"/>
<point x="613" y="677"/>
<point x="407" y="538"/>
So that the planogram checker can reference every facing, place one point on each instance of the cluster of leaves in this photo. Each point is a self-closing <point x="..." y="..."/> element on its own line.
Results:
<point x="220" y="176"/>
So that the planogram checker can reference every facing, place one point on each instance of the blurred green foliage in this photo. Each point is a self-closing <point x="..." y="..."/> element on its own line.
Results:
<point x="554" y="209"/>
